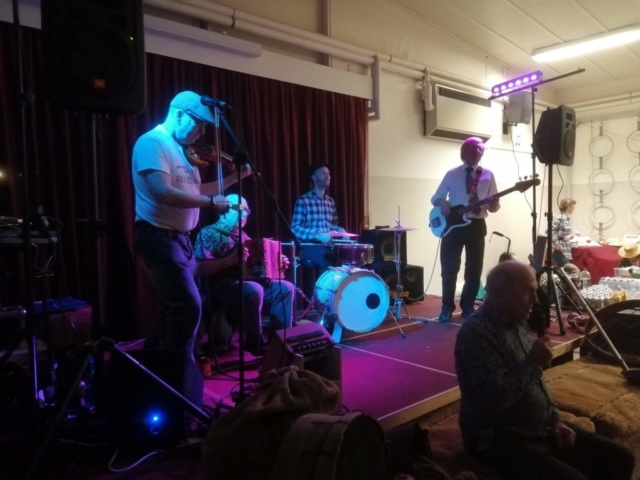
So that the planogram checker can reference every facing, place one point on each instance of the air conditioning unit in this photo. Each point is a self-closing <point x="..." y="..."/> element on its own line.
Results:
<point x="458" y="115"/>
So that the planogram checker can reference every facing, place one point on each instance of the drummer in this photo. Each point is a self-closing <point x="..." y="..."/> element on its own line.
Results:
<point x="314" y="215"/>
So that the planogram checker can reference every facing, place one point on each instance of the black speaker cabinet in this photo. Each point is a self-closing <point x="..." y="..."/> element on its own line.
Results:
<point x="555" y="137"/>
<point x="141" y="415"/>
<point x="94" y="56"/>
<point x="412" y="280"/>
<point x="383" y="248"/>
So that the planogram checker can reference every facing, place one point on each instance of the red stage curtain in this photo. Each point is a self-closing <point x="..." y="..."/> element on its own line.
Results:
<point x="286" y="127"/>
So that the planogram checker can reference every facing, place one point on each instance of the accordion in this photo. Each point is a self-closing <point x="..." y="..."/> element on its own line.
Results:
<point x="264" y="259"/>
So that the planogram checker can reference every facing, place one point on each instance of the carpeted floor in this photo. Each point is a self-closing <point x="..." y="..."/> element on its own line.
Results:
<point x="590" y="393"/>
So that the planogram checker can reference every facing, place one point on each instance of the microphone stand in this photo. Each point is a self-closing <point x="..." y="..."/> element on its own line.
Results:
<point x="241" y="158"/>
<point x="503" y="236"/>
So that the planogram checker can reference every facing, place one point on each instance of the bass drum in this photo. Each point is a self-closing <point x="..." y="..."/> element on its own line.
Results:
<point x="358" y="298"/>
<point x="331" y="447"/>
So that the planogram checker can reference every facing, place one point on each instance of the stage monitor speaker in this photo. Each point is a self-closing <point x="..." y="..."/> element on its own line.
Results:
<point x="308" y="346"/>
<point x="519" y="108"/>
<point x="142" y="415"/>
<point x="383" y="247"/>
<point x="412" y="280"/>
<point x="93" y="55"/>
<point x="555" y="137"/>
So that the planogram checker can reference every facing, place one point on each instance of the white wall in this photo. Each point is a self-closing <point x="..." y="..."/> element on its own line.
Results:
<point x="620" y="171"/>
<point x="405" y="169"/>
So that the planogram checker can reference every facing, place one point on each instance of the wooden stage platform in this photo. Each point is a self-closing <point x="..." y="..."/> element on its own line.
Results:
<point x="394" y="379"/>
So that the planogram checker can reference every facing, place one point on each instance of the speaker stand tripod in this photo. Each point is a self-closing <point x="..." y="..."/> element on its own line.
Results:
<point x="549" y="268"/>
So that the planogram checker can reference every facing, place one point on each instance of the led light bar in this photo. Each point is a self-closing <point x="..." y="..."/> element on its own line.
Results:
<point x="517" y="83"/>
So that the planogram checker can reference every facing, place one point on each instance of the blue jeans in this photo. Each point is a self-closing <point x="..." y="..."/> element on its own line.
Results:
<point x="170" y="264"/>
<point x="276" y="298"/>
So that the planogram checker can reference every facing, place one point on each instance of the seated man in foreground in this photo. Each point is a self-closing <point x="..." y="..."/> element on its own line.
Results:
<point x="507" y="418"/>
<point x="218" y="262"/>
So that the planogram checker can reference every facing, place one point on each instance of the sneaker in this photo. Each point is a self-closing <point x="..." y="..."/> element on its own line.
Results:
<point x="445" y="315"/>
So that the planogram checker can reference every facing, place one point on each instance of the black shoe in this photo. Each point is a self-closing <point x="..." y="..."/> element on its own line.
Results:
<point x="445" y="315"/>
<point x="467" y="312"/>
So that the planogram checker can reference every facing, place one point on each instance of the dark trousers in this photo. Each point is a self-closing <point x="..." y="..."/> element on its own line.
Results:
<point x="471" y="239"/>
<point x="169" y="262"/>
<point x="592" y="457"/>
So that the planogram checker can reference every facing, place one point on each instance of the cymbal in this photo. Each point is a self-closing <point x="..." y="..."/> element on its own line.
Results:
<point x="339" y="234"/>
<point x="398" y="229"/>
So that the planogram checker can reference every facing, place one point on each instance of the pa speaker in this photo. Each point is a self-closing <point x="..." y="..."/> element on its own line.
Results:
<point x="411" y="279"/>
<point x="383" y="245"/>
<point x="93" y="55"/>
<point x="142" y="415"/>
<point x="555" y="138"/>
<point x="519" y="108"/>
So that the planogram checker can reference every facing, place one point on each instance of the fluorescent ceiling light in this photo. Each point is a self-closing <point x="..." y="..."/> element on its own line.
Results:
<point x="590" y="44"/>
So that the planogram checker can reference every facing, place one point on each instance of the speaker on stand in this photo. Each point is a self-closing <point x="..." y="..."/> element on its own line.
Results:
<point x="94" y="55"/>
<point x="555" y="137"/>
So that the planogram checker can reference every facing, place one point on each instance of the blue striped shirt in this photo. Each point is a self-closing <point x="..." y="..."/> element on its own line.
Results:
<point x="312" y="215"/>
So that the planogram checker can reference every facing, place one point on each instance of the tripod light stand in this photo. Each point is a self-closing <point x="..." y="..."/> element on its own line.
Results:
<point x="546" y="139"/>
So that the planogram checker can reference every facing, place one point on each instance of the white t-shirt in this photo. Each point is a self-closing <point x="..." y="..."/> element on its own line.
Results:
<point x="158" y="150"/>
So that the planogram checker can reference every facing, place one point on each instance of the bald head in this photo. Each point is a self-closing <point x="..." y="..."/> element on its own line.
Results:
<point x="511" y="289"/>
<point x="472" y="150"/>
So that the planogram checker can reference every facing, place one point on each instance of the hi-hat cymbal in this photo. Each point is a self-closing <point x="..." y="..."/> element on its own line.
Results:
<point x="339" y="234"/>
<point x="398" y="229"/>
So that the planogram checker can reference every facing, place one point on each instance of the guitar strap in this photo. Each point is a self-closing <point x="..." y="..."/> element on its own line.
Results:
<point x="473" y="192"/>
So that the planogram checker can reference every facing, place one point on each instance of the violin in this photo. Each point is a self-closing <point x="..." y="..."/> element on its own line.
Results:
<point x="202" y="156"/>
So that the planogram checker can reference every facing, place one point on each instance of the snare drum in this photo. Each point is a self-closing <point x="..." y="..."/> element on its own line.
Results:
<point x="353" y="253"/>
<point x="358" y="298"/>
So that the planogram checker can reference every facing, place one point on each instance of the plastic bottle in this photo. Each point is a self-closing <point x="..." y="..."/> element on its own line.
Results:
<point x="585" y="279"/>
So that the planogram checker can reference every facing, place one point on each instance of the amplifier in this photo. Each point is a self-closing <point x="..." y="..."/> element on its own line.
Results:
<point x="308" y="346"/>
<point x="383" y="248"/>
<point x="411" y="279"/>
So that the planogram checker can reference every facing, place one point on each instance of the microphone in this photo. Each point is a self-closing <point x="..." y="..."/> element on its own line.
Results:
<point x="498" y="234"/>
<point x="213" y="102"/>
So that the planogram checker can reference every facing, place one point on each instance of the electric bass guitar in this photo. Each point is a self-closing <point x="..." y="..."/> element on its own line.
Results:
<point x="441" y="225"/>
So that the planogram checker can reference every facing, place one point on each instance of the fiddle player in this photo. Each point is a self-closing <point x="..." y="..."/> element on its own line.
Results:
<point x="168" y="198"/>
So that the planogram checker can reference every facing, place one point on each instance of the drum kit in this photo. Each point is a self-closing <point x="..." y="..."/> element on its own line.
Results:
<point x="349" y="296"/>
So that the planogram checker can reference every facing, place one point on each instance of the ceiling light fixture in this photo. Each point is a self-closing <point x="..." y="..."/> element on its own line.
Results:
<point x="594" y="43"/>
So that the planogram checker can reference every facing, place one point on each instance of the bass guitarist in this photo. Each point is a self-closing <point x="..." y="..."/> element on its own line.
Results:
<point x="463" y="185"/>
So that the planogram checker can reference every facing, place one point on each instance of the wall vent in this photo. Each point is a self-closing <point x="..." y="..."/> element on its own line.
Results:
<point x="458" y="115"/>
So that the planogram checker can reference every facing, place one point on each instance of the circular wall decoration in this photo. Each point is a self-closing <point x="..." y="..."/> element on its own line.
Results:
<point x="635" y="212"/>
<point x="601" y="146"/>
<point x="601" y="179"/>
<point x="634" y="178"/>
<point x="599" y="216"/>
<point x="633" y="141"/>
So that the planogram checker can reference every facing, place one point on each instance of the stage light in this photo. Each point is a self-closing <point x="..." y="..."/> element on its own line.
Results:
<point x="155" y="420"/>
<point x="594" y="43"/>
<point x="518" y="83"/>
